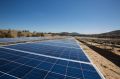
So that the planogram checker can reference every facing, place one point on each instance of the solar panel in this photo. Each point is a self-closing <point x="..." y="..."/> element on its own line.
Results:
<point x="53" y="49"/>
<point x="19" y="39"/>
<point x="17" y="62"/>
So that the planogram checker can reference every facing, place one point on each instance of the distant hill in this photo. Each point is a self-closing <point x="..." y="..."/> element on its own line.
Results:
<point x="112" y="34"/>
<point x="115" y="33"/>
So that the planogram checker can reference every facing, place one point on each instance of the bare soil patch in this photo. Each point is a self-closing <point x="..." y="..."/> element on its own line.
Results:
<point x="107" y="67"/>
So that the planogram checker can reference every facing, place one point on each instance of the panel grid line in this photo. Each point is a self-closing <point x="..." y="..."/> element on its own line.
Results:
<point x="46" y="55"/>
<point x="9" y="75"/>
<point x="38" y="60"/>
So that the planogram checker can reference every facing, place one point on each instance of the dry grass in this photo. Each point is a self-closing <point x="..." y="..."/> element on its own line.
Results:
<point x="108" y="69"/>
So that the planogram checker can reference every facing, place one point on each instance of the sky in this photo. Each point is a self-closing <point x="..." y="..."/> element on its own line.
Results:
<point x="82" y="16"/>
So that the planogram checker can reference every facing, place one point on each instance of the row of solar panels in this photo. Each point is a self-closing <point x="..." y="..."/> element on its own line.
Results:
<point x="58" y="59"/>
<point x="19" y="39"/>
<point x="67" y="51"/>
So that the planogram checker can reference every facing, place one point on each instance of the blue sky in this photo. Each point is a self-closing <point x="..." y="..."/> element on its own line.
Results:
<point x="82" y="16"/>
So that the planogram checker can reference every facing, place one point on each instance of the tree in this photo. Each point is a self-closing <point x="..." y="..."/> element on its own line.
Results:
<point x="2" y="35"/>
<point x="19" y="34"/>
<point x="28" y="35"/>
<point x="9" y="34"/>
<point x="42" y="35"/>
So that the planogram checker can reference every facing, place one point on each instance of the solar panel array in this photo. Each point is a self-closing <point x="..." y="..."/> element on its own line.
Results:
<point x="19" y="39"/>
<point x="55" y="59"/>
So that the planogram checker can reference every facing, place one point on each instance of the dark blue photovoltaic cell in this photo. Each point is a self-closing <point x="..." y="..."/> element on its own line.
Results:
<point x="10" y="57"/>
<point x="62" y="62"/>
<point x="22" y="60"/>
<point x="45" y="66"/>
<point x="20" y="71"/>
<point x="75" y="65"/>
<point x="1" y="74"/>
<point x="8" y="67"/>
<point x="54" y="76"/>
<point x="87" y="67"/>
<point x="51" y="60"/>
<point x="59" y="69"/>
<point x="33" y="63"/>
<point x="70" y="78"/>
<point x="91" y="75"/>
<point x="77" y="73"/>
<point x="36" y="74"/>
<point x="7" y="77"/>
<point x="29" y="66"/>
<point x="3" y="62"/>
<point x="12" y="52"/>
